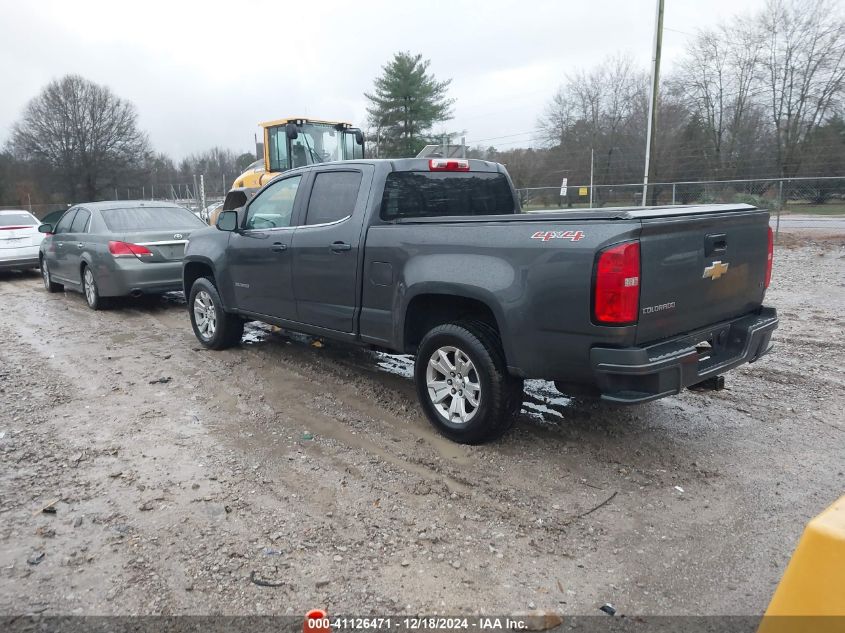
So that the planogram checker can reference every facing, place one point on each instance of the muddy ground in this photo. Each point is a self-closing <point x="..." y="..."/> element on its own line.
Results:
<point x="187" y="481"/>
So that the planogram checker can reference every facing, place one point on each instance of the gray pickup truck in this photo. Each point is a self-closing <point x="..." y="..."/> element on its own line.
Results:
<point x="435" y="258"/>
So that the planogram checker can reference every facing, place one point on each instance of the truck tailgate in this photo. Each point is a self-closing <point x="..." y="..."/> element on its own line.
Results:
<point x="698" y="270"/>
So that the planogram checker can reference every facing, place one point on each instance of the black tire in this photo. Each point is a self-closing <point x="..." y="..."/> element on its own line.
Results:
<point x="500" y="394"/>
<point x="228" y="329"/>
<point x="90" y="290"/>
<point x="46" y="277"/>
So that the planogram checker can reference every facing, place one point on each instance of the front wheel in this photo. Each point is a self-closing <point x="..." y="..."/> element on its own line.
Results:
<point x="213" y="326"/>
<point x="49" y="285"/>
<point x="463" y="384"/>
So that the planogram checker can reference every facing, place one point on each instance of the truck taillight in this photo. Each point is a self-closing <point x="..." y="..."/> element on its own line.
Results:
<point x="448" y="164"/>
<point x="770" y="258"/>
<point x="125" y="249"/>
<point x="616" y="293"/>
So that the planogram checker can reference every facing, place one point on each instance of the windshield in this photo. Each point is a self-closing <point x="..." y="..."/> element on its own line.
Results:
<point x="18" y="218"/>
<point x="315" y="143"/>
<point x="150" y="219"/>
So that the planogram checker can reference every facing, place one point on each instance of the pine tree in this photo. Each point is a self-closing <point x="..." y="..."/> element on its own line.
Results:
<point x="405" y="104"/>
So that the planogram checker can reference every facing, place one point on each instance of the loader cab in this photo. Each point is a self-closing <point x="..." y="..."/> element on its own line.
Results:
<point x="291" y="143"/>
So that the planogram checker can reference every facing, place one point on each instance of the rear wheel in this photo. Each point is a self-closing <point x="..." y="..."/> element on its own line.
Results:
<point x="91" y="290"/>
<point x="213" y="326"/>
<point x="49" y="286"/>
<point x="463" y="384"/>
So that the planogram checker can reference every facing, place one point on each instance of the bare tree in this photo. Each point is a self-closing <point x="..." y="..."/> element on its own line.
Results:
<point x="596" y="109"/>
<point x="82" y="130"/>
<point x="717" y="80"/>
<point x="803" y="71"/>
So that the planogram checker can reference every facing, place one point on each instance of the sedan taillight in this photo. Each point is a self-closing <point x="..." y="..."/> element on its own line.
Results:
<point x="125" y="249"/>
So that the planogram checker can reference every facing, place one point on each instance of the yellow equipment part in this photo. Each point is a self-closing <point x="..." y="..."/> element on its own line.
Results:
<point x="812" y="590"/>
<point x="259" y="173"/>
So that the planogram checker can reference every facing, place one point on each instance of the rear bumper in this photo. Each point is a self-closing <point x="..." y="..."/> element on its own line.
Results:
<point x="131" y="276"/>
<point x="24" y="257"/>
<point x="640" y="374"/>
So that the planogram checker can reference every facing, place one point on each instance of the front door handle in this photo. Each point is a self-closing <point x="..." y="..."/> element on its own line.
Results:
<point x="339" y="247"/>
<point x="279" y="247"/>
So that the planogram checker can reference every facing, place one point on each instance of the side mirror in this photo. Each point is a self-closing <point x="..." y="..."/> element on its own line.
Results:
<point x="291" y="131"/>
<point x="359" y="137"/>
<point x="45" y="228"/>
<point x="228" y="221"/>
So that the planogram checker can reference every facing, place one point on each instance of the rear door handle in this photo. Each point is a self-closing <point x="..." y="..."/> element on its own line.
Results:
<point x="80" y="245"/>
<point x="279" y="247"/>
<point x="339" y="247"/>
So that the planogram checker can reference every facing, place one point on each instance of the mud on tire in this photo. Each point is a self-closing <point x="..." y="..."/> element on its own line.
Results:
<point x="452" y="407"/>
<point x="213" y="326"/>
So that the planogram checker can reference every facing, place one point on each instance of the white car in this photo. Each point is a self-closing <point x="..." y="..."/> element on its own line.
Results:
<point x="19" y="240"/>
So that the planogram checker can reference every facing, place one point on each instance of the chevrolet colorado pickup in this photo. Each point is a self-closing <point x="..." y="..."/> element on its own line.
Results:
<point x="435" y="258"/>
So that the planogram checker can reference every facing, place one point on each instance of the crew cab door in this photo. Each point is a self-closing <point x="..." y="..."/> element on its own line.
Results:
<point x="259" y="255"/>
<point x="326" y="246"/>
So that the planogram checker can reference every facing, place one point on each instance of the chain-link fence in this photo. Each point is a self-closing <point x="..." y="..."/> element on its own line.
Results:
<point x="795" y="195"/>
<point x="183" y="196"/>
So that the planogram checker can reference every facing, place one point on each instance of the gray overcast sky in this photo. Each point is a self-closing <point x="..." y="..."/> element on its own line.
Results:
<point x="205" y="73"/>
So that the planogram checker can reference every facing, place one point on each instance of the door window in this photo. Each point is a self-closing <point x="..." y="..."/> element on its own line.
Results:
<point x="333" y="196"/>
<point x="64" y="224"/>
<point x="80" y="222"/>
<point x="273" y="207"/>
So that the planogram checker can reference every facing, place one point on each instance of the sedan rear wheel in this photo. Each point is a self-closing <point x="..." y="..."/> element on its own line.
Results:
<point x="91" y="291"/>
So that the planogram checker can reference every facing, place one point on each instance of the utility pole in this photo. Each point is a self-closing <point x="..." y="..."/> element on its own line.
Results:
<point x="652" y="106"/>
<point x="592" y="157"/>
<point x="202" y="193"/>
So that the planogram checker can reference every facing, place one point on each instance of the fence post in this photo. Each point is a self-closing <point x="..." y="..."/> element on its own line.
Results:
<point x="780" y="206"/>
<point x="673" y="193"/>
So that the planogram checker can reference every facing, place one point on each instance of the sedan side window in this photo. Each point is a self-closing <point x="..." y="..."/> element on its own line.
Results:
<point x="273" y="208"/>
<point x="64" y="224"/>
<point x="80" y="222"/>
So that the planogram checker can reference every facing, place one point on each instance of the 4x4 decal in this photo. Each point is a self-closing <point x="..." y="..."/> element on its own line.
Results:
<point x="573" y="236"/>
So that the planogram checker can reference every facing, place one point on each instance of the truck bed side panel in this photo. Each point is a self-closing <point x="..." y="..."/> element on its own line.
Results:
<point x="540" y="290"/>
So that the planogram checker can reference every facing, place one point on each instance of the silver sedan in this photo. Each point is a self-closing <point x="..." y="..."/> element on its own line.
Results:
<point x="113" y="249"/>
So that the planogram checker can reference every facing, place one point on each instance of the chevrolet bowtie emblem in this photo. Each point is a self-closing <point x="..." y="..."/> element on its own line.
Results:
<point x="715" y="270"/>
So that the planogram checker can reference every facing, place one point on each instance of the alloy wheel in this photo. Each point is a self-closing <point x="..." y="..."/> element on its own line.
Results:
<point x="453" y="385"/>
<point x="90" y="287"/>
<point x="205" y="315"/>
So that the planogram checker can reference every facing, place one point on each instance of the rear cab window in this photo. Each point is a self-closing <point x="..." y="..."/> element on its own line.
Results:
<point x="333" y="196"/>
<point x="17" y="219"/>
<point x="422" y="194"/>
<point x="150" y="219"/>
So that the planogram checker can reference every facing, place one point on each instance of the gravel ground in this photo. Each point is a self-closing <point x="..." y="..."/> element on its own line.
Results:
<point x="285" y="475"/>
